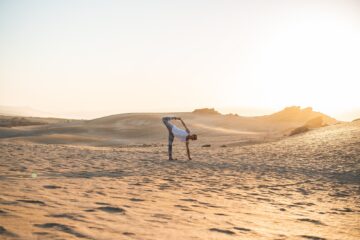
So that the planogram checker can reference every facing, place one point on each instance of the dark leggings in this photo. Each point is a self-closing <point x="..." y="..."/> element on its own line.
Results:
<point x="171" y="135"/>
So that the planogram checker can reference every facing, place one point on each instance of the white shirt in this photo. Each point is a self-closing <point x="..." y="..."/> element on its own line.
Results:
<point x="179" y="133"/>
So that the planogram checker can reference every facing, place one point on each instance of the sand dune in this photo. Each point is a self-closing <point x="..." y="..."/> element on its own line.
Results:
<point x="147" y="128"/>
<point x="301" y="187"/>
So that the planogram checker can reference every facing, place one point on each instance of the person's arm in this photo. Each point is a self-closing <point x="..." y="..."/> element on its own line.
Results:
<point x="187" y="130"/>
<point x="167" y="119"/>
<point x="188" y="150"/>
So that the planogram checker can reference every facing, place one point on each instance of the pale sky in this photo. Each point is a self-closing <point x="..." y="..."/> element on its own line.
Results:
<point x="105" y="57"/>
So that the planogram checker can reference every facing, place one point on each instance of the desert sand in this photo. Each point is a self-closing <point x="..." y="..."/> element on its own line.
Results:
<point x="300" y="187"/>
<point x="146" y="128"/>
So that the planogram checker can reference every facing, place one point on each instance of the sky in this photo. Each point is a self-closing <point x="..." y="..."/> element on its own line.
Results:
<point x="93" y="58"/>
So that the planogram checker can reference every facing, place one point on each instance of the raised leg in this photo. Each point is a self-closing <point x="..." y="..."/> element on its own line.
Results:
<point x="171" y="135"/>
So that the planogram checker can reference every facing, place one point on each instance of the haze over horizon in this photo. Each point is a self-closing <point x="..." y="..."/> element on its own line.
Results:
<point x="96" y="58"/>
<point x="88" y="115"/>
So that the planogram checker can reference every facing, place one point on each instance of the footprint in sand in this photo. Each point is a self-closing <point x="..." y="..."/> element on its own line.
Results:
<point x="304" y="204"/>
<point x="6" y="233"/>
<point x="89" y="210"/>
<point x="221" y="214"/>
<point x="317" y="222"/>
<point x="343" y="210"/>
<point x="8" y="203"/>
<point x="163" y="186"/>
<point x="51" y="187"/>
<point x="188" y="200"/>
<point x="41" y="233"/>
<point x="3" y="213"/>
<point x="209" y="205"/>
<point x="222" y="231"/>
<point x="243" y="229"/>
<point x="102" y="203"/>
<point x="163" y="216"/>
<point x="128" y="233"/>
<point x="62" y="228"/>
<point x="109" y="209"/>
<point x="340" y="194"/>
<point x="32" y="202"/>
<point x="71" y="216"/>
<point x="183" y="208"/>
<point x="135" y="184"/>
<point x="136" y="199"/>
<point x="312" y="237"/>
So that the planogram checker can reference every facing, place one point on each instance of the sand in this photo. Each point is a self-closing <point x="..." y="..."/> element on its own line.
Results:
<point x="301" y="187"/>
<point x="147" y="128"/>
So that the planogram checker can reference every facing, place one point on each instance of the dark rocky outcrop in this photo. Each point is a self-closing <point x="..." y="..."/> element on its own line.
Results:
<point x="208" y="111"/>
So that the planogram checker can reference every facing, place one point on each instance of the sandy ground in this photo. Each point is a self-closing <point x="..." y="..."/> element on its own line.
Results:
<point x="148" y="128"/>
<point x="302" y="187"/>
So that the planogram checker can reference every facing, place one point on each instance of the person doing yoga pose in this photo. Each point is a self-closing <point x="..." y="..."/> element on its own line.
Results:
<point x="174" y="131"/>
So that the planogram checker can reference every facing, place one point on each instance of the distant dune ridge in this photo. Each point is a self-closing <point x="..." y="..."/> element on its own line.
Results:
<point x="147" y="128"/>
<point x="297" y="114"/>
<point x="23" y="112"/>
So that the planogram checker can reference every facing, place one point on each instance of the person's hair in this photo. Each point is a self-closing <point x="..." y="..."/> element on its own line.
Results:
<point x="194" y="137"/>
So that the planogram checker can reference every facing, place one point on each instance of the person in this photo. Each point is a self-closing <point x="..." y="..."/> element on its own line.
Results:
<point x="174" y="131"/>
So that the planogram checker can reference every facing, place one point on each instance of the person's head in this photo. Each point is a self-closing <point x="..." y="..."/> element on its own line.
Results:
<point x="192" y="137"/>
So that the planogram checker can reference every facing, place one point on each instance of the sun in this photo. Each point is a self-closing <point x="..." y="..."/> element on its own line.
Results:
<point x="303" y="62"/>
